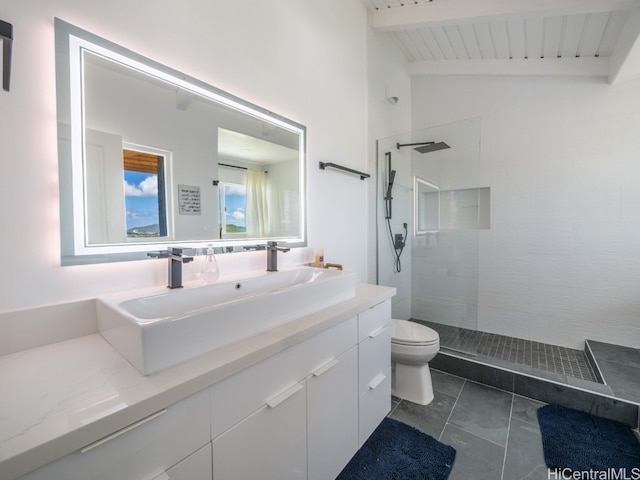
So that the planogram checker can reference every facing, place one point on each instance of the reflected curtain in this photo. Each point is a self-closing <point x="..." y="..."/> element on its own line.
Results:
<point x="257" y="217"/>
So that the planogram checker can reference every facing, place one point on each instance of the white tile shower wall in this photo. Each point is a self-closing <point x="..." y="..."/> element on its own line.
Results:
<point x="560" y="263"/>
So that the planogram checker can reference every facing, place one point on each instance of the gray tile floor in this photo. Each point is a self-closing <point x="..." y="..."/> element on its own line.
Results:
<point x="550" y="358"/>
<point x="495" y="433"/>
<point x="620" y="367"/>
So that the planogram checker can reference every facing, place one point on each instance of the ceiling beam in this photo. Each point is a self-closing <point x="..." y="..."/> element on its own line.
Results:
<point x="452" y="12"/>
<point x="565" y="67"/>
<point x="625" y="60"/>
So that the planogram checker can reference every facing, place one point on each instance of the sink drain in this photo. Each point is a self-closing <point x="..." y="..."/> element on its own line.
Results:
<point x="238" y="286"/>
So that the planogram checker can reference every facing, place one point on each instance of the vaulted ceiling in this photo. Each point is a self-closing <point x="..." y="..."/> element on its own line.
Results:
<point x="596" y="38"/>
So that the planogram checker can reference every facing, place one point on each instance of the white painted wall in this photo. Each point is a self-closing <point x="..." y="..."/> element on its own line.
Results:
<point x="562" y="157"/>
<point x="304" y="59"/>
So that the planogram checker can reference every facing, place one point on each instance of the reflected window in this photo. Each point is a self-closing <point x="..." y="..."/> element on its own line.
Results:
<point x="233" y="208"/>
<point x="145" y="201"/>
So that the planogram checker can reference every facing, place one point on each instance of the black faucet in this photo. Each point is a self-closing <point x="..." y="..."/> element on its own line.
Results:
<point x="272" y="255"/>
<point x="176" y="259"/>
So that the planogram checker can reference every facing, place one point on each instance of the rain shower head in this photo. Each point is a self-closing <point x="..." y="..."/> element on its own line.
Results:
<point x="425" y="147"/>
<point x="432" y="147"/>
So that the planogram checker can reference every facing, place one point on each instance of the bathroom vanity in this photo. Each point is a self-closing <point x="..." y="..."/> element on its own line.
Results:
<point x="296" y="401"/>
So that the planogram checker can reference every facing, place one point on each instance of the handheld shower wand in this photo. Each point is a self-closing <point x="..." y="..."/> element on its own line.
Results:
<point x="388" y="197"/>
<point x="398" y="240"/>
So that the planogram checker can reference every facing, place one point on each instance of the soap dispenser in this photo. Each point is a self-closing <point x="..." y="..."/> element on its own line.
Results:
<point x="210" y="272"/>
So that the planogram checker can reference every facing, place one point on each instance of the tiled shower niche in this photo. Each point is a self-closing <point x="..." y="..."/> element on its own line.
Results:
<point x="463" y="209"/>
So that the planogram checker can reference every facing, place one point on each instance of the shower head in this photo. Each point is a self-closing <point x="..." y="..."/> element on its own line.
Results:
<point x="433" y="147"/>
<point x="425" y="147"/>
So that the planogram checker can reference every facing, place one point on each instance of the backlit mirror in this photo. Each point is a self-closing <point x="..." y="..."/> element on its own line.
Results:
<point x="150" y="157"/>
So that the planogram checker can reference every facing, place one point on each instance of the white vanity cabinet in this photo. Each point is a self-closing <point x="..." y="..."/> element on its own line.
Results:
<point x="332" y="416"/>
<point x="300" y="413"/>
<point x="267" y="420"/>
<point x="145" y="450"/>
<point x="374" y="375"/>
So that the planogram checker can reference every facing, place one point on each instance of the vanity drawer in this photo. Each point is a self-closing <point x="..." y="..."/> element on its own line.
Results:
<point x="269" y="444"/>
<point x="372" y="319"/>
<point x="374" y="405"/>
<point x="375" y="356"/>
<point x="144" y="450"/>
<point x="236" y="397"/>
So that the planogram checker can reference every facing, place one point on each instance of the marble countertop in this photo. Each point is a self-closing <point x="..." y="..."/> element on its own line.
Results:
<point x="60" y="397"/>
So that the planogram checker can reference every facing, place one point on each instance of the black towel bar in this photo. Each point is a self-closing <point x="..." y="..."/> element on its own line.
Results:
<point x="6" y="36"/>
<point x="362" y="175"/>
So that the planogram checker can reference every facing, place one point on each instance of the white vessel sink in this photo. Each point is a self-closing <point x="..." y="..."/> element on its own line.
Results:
<point x="159" y="328"/>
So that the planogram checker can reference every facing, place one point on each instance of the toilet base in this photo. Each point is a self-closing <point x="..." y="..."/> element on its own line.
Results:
<point x="412" y="383"/>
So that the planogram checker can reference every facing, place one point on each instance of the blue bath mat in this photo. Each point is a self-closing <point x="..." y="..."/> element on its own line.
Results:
<point x="581" y="442"/>
<point x="396" y="451"/>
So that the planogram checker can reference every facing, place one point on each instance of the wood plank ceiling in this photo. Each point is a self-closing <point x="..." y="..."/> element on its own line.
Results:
<point x="531" y="37"/>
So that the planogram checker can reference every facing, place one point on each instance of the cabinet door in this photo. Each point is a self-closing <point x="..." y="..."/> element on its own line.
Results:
<point x="332" y="416"/>
<point x="269" y="444"/>
<point x="194" y="467"/>
<point x="238" y="396"/>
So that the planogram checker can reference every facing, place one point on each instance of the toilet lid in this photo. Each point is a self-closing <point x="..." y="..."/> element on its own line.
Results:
<point x="412" y="333"/>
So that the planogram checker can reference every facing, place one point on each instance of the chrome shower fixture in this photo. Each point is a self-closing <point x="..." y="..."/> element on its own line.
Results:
<point x="424" y="147"/>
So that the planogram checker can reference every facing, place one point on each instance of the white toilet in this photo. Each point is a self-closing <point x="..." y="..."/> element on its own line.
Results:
<point x="413" y="346"/>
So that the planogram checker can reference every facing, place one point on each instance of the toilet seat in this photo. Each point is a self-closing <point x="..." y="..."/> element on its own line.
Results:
<point x="404" y="332"/>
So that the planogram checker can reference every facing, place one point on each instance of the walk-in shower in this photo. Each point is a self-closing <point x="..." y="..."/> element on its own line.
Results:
<point x="428" y="245"/>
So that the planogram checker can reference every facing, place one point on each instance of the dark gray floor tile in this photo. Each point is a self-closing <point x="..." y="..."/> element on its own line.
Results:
<point x="620" y="367"/>
<point x="524" y="457"/>
<point x="431" y="418"/>
<point x="624" y="380"/>
<point x="476" y="458"/>
<point x="606" y="352"/>
<point x="525" y="409"/>
<point x="483" y="411"/>
<point x="445" y="383"/>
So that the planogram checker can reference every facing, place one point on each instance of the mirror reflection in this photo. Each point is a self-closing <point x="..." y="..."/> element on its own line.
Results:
<point x="426" y="206"/>
<point x="153" y="158"/>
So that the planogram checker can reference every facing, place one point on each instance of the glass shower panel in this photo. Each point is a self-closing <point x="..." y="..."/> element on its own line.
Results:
<point x="431" y="206"/>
